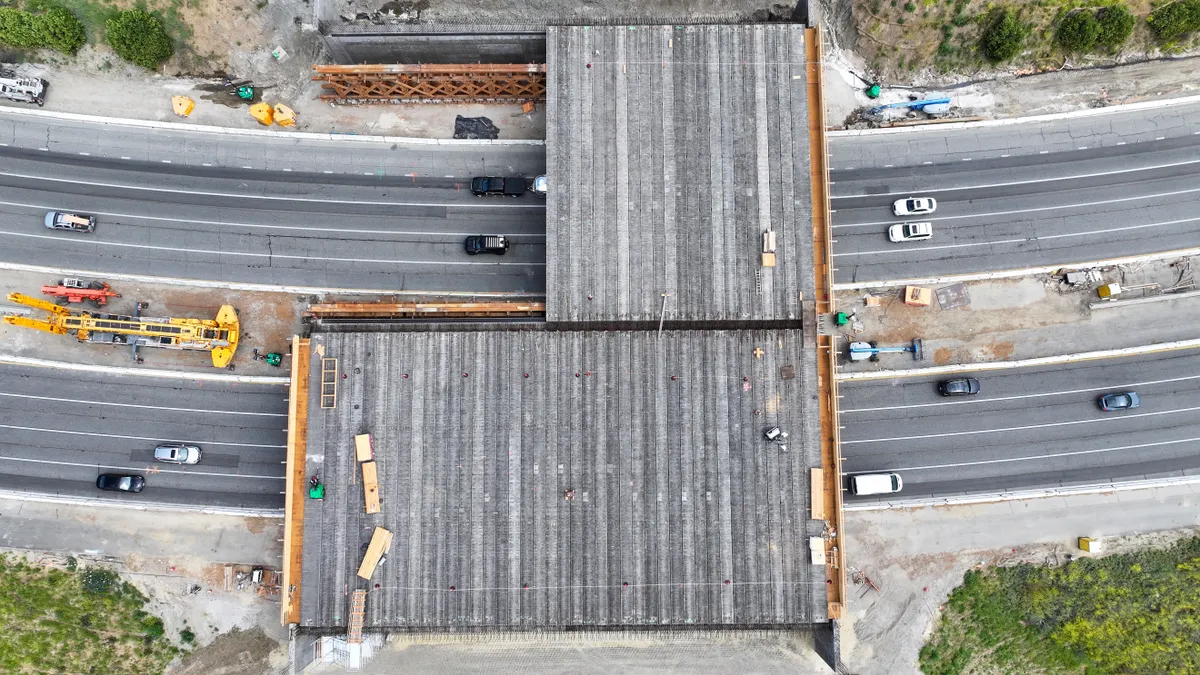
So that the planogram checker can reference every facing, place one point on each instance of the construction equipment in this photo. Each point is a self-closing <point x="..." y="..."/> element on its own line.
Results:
<point x="861" y="351"/>
<point x="218" y="336"/>
<point x="934" y="106"/>
<point x="22" y="89"/>
<point x="272" y="358"/>
<point x="71" y="290"/>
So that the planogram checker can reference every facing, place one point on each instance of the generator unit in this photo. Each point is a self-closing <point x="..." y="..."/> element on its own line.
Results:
<point x="23" y="89"/>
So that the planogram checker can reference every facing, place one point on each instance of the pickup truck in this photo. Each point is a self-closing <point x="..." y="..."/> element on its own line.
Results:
<point x="512" y="186"/>
<point x="74" y="222"/>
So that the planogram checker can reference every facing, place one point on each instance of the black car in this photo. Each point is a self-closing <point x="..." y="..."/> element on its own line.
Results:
<point x="960" y="386"/>
<point x="116" y="482"/>
<point x="484" y="186"/>
<point x="486" y="243"/>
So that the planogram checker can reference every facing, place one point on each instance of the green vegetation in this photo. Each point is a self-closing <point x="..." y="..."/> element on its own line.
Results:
<point x="1121" y="614"/>
<point x="1116" y="25"/>
<point x="65" y="622"/>
<point x="1078" y="32"/>
<point x="53" y="27"/>
<point x="1173" y="21"/>
<point x="139" y="37"/>
<point x="1004" y="36"/>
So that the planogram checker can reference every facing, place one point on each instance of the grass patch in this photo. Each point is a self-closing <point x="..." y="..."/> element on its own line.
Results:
<point x="1130" y="613"/>
<point x="84" y="621"/>
<point x="94" y="13"/>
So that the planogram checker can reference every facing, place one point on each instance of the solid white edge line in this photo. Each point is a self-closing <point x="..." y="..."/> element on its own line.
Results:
<point x="1017" y="495"/>
<point x="1009" y="274"/>
<point x="261" y="133"/>
<point x="262" y="288"/>
<point x="13" y="360"/>
<point x="139" y="506"/>
<point x="1024" y="363"/>
<point x="1008" y="121"/>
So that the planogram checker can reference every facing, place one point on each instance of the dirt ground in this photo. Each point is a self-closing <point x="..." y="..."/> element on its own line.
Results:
<point x="1026" y="317"/>
<point x="268" y="321"/>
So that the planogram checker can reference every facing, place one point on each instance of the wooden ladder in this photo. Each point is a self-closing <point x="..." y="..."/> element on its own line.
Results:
<point x="358" y="611"/>
<point x="329" y="383"/>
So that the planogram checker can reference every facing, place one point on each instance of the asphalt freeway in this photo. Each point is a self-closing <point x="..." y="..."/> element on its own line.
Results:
<point x="1027" y="428"/>
<point x="1092" y="188"/>
<point x="60" y="429"/>
<point x="278" y="228"/>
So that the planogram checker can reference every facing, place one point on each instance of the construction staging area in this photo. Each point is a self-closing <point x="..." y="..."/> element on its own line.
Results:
<point x="538" y="479"/>
<point x="679" y="157"/>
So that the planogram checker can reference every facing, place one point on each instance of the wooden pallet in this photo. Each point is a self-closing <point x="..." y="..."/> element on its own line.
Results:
<point x="358" y="612"/>
<point x="329" y="376"/>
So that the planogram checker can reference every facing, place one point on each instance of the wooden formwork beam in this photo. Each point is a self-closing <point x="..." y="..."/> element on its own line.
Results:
<point x="293" y="509"/>
<point x="384" y="83"/>
<point x="831" y="463"/>
<point x="342" y="310"/>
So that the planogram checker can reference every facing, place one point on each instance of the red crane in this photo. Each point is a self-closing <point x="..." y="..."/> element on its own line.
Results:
<point x="70" y="290"/>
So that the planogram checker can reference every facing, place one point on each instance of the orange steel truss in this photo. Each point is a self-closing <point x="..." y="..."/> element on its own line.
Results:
<point x="403" y="83"/>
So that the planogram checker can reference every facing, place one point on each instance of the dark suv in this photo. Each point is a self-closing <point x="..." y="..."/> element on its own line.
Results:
<point x="116" y="482"/>
<point x="486" y="243"/>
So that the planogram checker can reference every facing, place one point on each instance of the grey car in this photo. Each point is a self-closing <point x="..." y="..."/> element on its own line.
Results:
<point x="1123" y="401"/>
<point x="177" y="453"/>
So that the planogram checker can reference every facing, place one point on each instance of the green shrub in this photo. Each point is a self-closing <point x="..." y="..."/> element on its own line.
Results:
<point x="139" y="37"/>
<point x="186" y="636"/>
<point x="1173" y="21"/>
<point x="1116" y="25"/>
<point x="63" y="30"/>
<point x="1078" y="32"/>
<point x="98" y="581"/>
<point x="55" y="28"/>
<point x="1004" y="36"/>
<point x="154" y="627"/>
<point x="19" y="29"/>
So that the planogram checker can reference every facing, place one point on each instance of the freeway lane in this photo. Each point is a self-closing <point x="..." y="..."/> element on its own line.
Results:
<point x="61" y="429"/>
<point x="22" y="128"/>
<point x="993" y="215"/>
<point x="404" y="236"/>
<point x="1028" y="427"/>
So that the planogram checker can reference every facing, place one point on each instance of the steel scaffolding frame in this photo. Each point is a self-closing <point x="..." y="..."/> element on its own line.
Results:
<point x="404" y="83"/>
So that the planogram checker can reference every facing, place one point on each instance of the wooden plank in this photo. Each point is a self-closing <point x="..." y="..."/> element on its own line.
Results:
<point x="381" y="541"/>
<point x="371" y="486"/>
<point x="297" y="446"/>
<point x="362" y="448"/>
<point x="817" y="493"/>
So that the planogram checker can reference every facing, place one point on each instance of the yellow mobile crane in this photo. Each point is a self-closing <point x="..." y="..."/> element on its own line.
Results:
<point x="219" y="336"/>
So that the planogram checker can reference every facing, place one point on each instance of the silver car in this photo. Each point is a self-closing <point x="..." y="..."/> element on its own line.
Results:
<point x="177" y="453"/>
<point x="914" y="206"/>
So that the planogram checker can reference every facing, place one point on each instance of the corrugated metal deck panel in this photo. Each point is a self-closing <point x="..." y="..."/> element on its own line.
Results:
<point x="676" y="492"/>
<point x="671" y="149"/>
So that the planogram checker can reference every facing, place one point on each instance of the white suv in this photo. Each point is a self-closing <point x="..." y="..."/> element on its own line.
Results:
<point x="914" y="206"/>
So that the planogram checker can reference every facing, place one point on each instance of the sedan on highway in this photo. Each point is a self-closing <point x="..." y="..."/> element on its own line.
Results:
<point x="901" y="232"/>
<point x="961" y="386"/>
<point x="177" y="453"/>
<point x="72" y="222"/>
<point x="115" y="482"/>
<point x="914" y="206"/>
<point x="1123" y="401"/>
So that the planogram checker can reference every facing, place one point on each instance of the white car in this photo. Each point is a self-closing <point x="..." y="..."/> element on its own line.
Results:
<point x="177" y="453"/>
<point x="910" y="231"/>
<point x="914" y="206"/>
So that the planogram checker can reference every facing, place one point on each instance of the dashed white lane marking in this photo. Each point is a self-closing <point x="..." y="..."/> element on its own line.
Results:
<point x="1128" y="385"/>
<point x="1035" y="209"/>
<point x="910" y="249"/>
<point x="1026" y="427"/>
<point x="1027" y="458"/>
<point x="140" y="406"/>
<point x="126" y="468"/>
<point x="273" y="256"/>
<point x="277" y="198"/>
<point x="141" y="438"/>
<point x="260" y="226"/>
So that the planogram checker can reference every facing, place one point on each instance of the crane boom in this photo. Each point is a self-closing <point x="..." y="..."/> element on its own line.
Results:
<point x="218" y="336"/>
